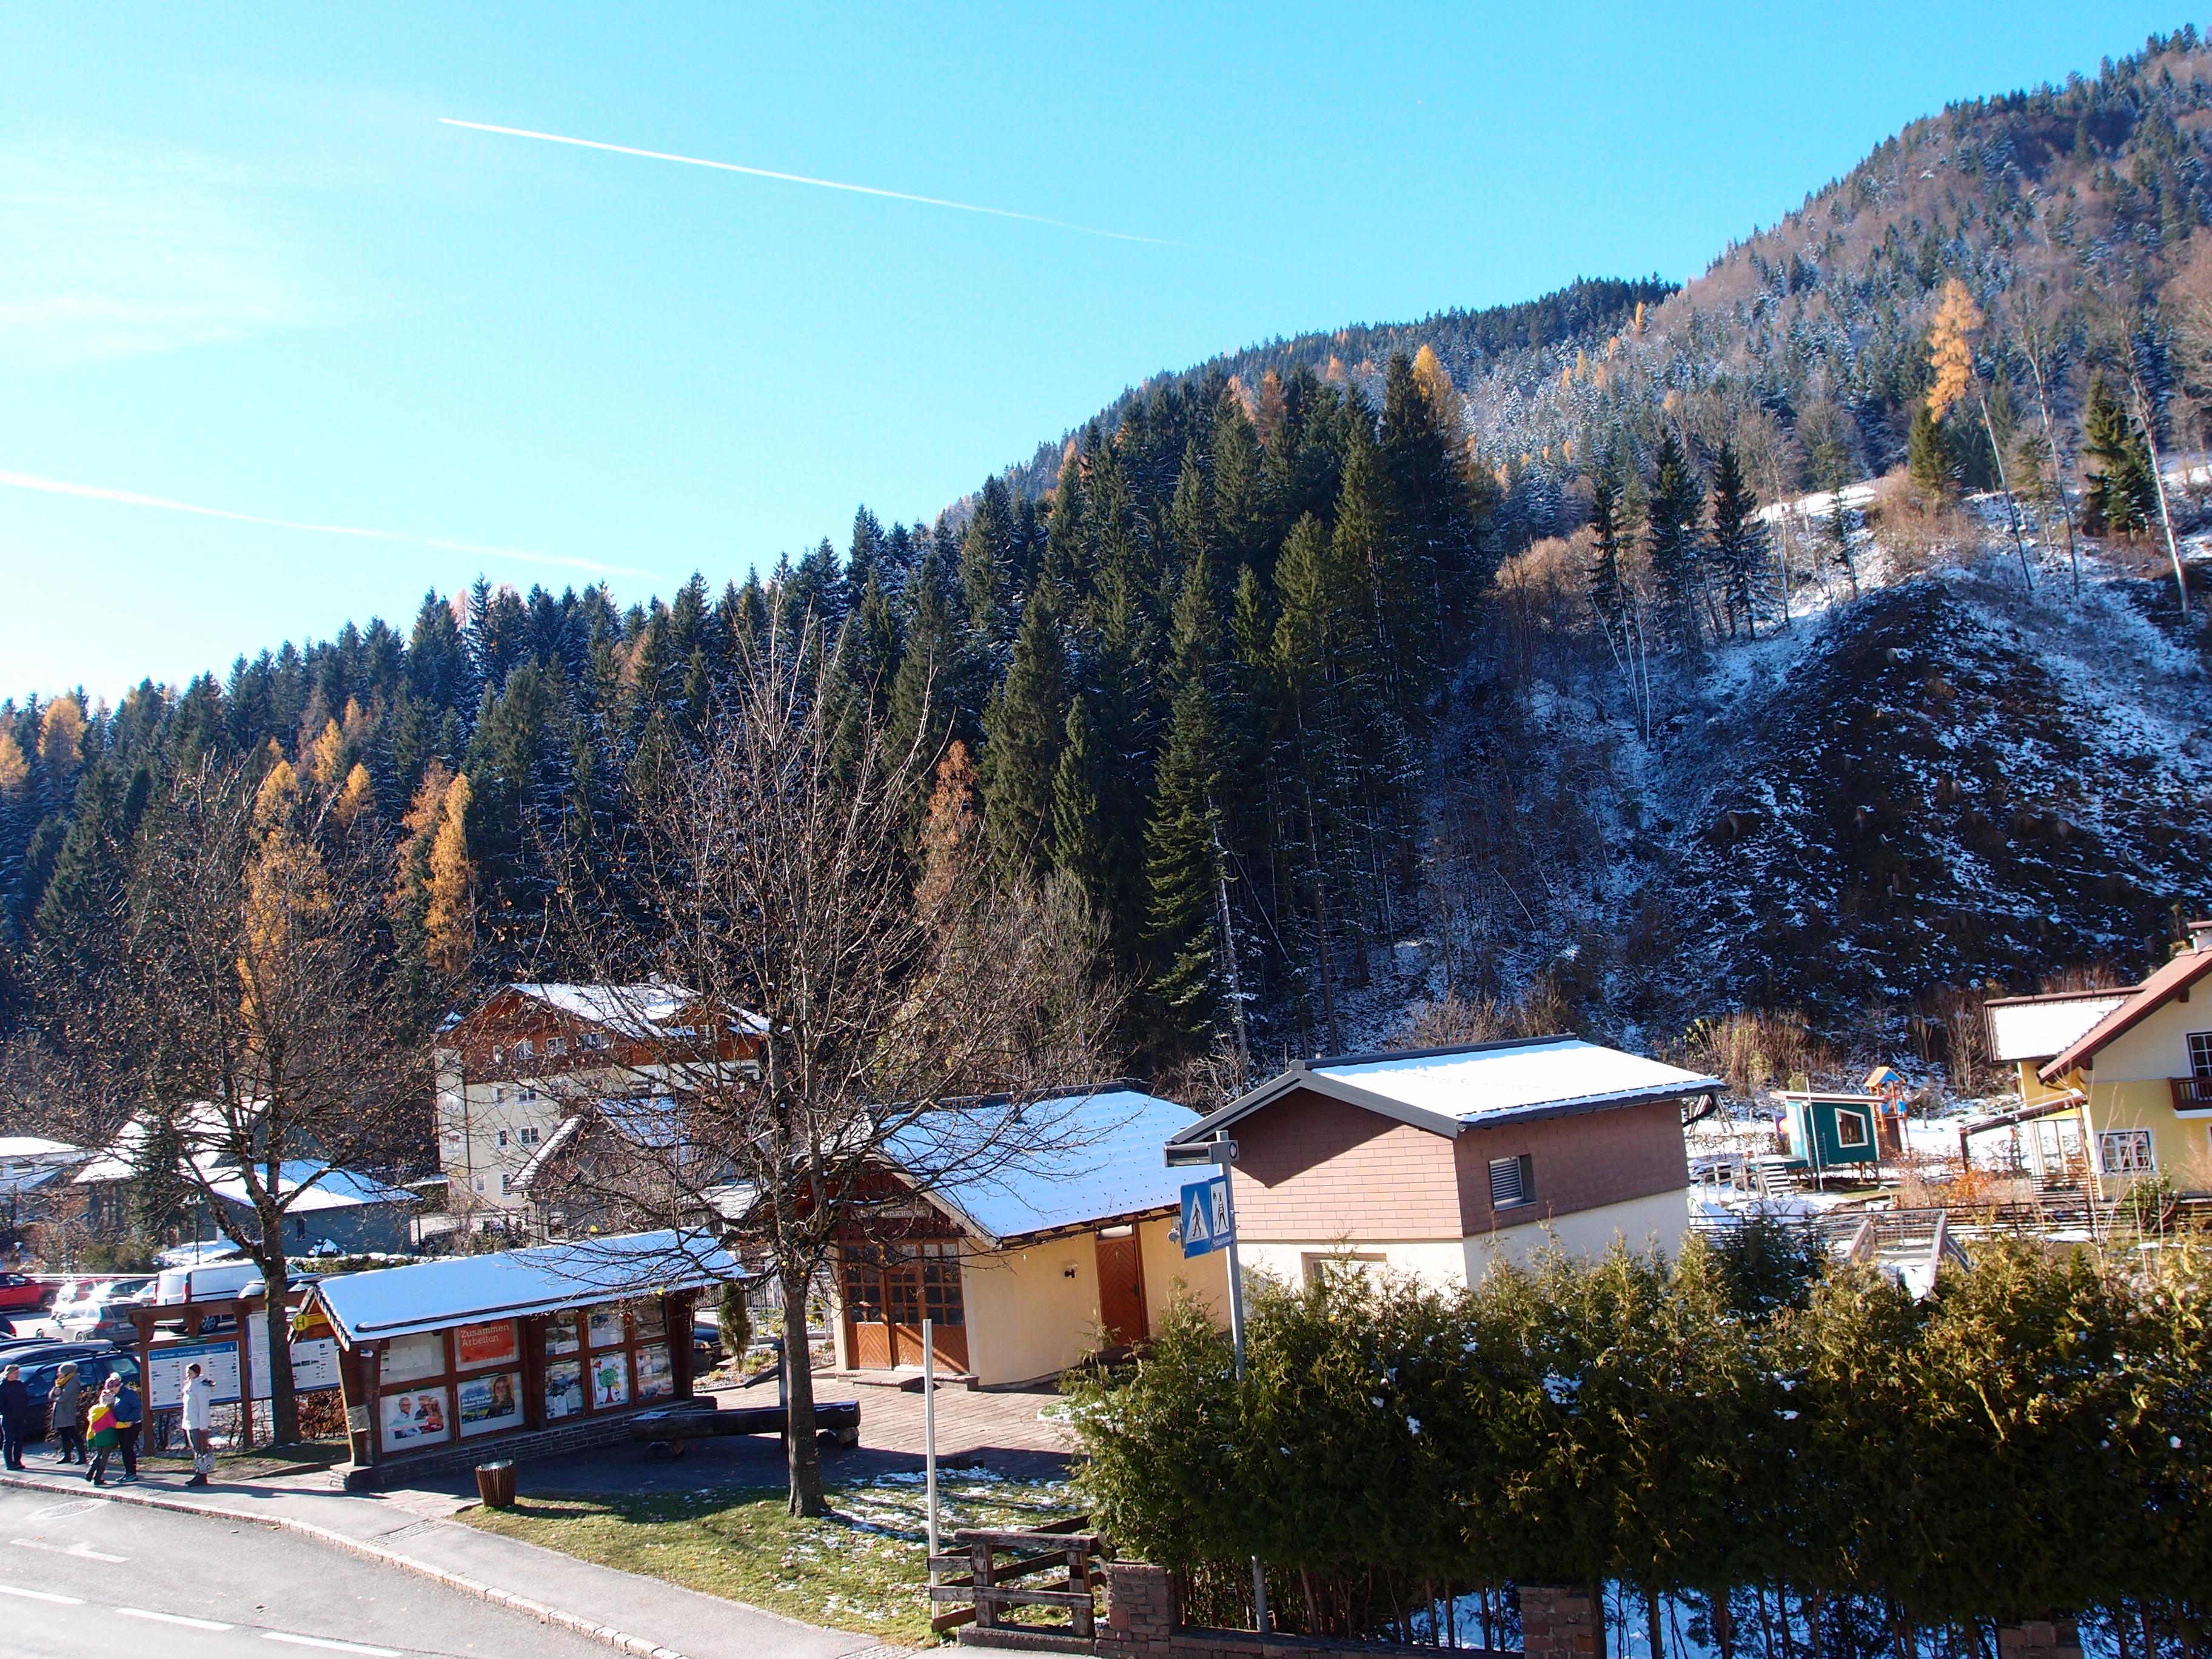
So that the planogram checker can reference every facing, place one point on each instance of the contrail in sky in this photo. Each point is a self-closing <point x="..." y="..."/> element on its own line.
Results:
<point x="131" y="498"/>
<point x="834" y="184"/>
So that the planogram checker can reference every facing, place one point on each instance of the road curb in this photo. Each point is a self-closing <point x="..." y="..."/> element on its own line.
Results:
<point x="618" y="1640"/>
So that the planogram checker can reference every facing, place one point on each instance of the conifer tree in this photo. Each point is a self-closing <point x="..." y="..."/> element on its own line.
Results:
<point x="1609" y="593"/>
<point x="1187" y="926"/>
<point x="1023" y="729"/>
<point x="1079" y="845"/>
<point x="2121" y="496"/>
<point x="1740" y="550"/>
<point x="1677" y="555"/>
<point x="1928" y="455"/>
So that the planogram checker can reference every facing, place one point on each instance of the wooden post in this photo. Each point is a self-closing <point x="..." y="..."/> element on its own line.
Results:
<point x="1083" y="1616"/>
<point x="979" y="1571"/>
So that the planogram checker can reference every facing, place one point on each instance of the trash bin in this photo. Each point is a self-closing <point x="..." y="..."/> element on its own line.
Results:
<point x="496" y="1484"/>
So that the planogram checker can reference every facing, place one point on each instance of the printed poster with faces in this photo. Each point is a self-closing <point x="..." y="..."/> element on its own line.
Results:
<point x="414" y="1417"/>
<point x="491" y="1403"/>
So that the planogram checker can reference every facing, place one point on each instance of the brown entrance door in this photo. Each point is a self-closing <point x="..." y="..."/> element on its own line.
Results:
<point x="1122" y="1288"/>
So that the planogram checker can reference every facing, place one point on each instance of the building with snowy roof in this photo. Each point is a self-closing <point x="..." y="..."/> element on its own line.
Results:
<point x="1434" y="1161"/>
<point x="1024" y="1263"/>
<point x="2140" y="1075"/>
<point x="2026" y="1033"/>
<point x="529" y="1055"/>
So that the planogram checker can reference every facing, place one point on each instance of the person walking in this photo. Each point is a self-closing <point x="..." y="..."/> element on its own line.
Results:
<point x="65" y="1414"/>
<point x="199" y="1411"/>
<point x="15" y="1409"/>
<point x="129" y="1414"/>
<point x="103" y="1437"/>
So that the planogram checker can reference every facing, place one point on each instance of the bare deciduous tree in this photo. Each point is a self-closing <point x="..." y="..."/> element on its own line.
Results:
<point x="255" y="1018"/>
<point x="857" y="1001"/>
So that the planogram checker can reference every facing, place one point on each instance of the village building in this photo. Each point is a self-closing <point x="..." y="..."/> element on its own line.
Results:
<point x="2027" y="1033"/>
<point x="1026" y="1270"/>
<point x="2141" y="1076"/>
<point x="624" y="1165"/>
<point x="531" y="1055"/>
<point x="1434" y="1161"/>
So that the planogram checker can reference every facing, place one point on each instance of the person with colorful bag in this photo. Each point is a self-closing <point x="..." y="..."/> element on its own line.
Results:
<point x="105" y="1432"/>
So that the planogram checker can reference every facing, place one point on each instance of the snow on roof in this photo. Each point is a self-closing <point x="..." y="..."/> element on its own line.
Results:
<point x="1494" y="1081"/>
<point x="2174" y="976"/>
<point x="1444" y="1090"/>
<point x="639" y="1010"/>
<point x="429" y="1295"/>
<point x="2036" y="1028"/>
<point x="1104" y="1164"/>
<point x="333" y="1189"/>
<point x="15" y="1146"/>
<point x="202" y="1120"/>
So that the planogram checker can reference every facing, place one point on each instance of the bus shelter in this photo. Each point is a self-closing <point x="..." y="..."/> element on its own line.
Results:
<point x="512" y="1354"/>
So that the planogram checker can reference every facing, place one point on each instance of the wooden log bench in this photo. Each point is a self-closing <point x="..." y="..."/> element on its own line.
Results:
<point x="668" y="1432"/>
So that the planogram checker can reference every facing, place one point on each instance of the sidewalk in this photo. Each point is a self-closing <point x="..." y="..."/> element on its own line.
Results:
<point x="411" y="1531"/>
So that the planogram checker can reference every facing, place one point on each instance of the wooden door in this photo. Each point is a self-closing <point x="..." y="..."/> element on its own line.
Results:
<point x="1121" y="1289"/>
<point x="869" y="1338"/>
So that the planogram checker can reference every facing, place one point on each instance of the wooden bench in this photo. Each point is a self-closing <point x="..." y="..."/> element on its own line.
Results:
<point x="667" y="1432"/>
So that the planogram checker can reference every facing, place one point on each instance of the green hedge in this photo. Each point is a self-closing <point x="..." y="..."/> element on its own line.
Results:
<point x="2032" y="1435"/>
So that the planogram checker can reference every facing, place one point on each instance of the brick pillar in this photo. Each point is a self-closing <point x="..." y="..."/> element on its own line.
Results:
<point x="1142" y="1615"/>
<point x="1559" y="1621"/>
<point x="2056" y="1636"/>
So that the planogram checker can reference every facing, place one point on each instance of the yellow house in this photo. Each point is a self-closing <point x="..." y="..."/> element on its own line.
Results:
<point x="2144" y="1074"/>
<point x="1026" y="1270"/>
<point x="2027" y="1033"/>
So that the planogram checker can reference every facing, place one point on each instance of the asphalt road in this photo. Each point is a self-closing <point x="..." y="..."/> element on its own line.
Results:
<point x="81" y="1576"/>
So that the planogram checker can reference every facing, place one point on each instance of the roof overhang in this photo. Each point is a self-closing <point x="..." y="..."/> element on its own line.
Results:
<point x="2173" y="979"/>
<point x="1436" y="1123"/>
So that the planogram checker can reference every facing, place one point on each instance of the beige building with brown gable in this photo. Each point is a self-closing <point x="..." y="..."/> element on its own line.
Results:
<point x="1434" y="1161"/>
<point x="2142" y="1074"/>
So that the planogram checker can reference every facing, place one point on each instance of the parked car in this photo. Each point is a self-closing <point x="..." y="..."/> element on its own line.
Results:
<point x="95" y="1362"/>
<point x="85" y="1312"/>
<point x="21" y="1293"/>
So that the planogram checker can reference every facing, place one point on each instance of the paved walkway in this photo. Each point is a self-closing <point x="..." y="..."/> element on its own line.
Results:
<point x="410" y="1530"/>
<point x="412" y="1527"/>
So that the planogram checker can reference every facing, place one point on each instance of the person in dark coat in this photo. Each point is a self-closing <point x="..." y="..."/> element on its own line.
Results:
<point x="65" y="1417"/>
<point x="16" y="1415"/>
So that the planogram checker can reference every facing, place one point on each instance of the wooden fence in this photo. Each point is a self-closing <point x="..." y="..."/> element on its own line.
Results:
<point x="989" y="1585"/>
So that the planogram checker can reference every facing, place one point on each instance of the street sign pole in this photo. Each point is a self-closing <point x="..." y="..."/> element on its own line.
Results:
<point x="1223" y="1151"/>
<point x="929" y="1438"/>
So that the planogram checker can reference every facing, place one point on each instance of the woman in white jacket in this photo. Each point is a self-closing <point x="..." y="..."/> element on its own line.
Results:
<point x="199" y="1403"/>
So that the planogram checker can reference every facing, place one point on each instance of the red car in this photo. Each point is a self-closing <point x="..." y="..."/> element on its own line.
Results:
<point x="21" y="1293"/>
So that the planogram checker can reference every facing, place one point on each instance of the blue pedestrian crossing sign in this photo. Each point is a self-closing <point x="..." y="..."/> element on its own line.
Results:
<point x="1205" y="1216"/>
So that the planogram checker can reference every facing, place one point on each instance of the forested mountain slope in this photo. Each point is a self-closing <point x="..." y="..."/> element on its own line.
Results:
<point x="1449" y="672"/>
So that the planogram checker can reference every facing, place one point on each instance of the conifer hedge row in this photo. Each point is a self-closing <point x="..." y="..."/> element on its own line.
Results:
<point x="2032" y="1435"/>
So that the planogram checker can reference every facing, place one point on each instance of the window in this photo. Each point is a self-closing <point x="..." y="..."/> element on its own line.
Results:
<point x="2200" y="1053"/>
<point x="527" y="1094"/>
<point x="2125" y="1151"/>
<point x="522" y="1049"/>
<point x="1512" y="1181"/>
<point x="502" y="1186"/>
<point x="498" y="1097"/>
<point x="503" y="1140"/>
<point x="529" y="1137"/>
<point x="556" y="1046"/>
<point x="479" y="1184"/>
<point x="592" y="1040"/>
<point x="1850" y="1129"/>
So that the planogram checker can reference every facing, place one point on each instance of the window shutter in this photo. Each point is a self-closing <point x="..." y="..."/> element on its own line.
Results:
<point x="1508" y="1182"/>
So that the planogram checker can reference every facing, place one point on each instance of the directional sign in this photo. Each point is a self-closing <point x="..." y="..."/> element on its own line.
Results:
<point x="1205" y="1216"/>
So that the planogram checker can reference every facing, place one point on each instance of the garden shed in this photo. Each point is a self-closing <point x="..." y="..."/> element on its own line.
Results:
<point x="514" y="1353"/>
<point x="1833" y="1131"/>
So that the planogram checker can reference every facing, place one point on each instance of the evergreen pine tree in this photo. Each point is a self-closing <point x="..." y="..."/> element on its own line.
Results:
<point x="1928" y="454"/>
<point x="1184" y="934"/>
<point x="1740" y="550"/>
<point x="1023" y="729"/>
<point x="2121" y="496"/>
<point x="1608" y="591"/>
<point x="1677" y="556"/>
<point x="1079" y="843"/>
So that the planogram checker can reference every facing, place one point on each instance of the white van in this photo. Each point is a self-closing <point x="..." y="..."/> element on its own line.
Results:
<point x="223" y="1278"/>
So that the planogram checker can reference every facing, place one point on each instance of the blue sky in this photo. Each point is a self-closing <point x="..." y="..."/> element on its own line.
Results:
<point x="244" y="266"/>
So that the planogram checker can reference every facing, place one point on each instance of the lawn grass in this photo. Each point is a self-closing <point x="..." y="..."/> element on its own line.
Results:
<point x="860" y="1569"/>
